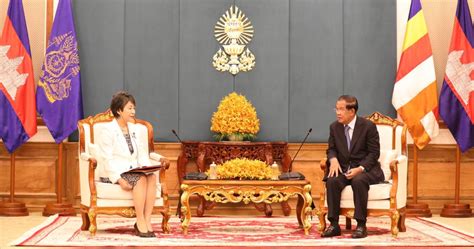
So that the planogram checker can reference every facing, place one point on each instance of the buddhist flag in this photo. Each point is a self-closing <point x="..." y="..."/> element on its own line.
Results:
<point x="414" y="94"/>
<point x="17" y="87"/>
<point x="59" y="93"/>
<point x="456" y="100"/>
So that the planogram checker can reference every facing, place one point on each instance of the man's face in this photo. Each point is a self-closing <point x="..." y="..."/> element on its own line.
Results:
<point x="343" y="115"/>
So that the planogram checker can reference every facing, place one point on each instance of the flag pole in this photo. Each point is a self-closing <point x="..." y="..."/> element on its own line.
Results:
<point x="416" y="209"/>
<point x="55" y="25"/>
<point x="457" y="210"/>
<point x="63" y="209"/>
<point x="12" y="208"/>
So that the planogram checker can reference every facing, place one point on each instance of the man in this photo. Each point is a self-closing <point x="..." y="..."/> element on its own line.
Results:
<point x="353" y="154"/>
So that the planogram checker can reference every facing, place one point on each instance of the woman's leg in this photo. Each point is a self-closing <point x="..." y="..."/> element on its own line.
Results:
<point x="139" y="198"/>
<point x="150" y="199"/>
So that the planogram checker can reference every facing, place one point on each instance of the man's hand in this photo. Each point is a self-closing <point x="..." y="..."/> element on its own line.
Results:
<point x="124" y="184"/>
<point x="335" y="168"/>
<point x="351" y="173"/>
<point x="164" y="162"/>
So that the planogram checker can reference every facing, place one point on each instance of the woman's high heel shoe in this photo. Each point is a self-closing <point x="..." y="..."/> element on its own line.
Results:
<point x="140" y="234"/>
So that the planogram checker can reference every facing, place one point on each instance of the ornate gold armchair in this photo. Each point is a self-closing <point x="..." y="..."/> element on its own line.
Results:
<point x="387" y="198"/>
<point x="105" y="198"/>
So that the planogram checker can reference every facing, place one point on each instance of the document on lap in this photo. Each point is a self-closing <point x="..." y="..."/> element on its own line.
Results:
<point x="146" y="169"/>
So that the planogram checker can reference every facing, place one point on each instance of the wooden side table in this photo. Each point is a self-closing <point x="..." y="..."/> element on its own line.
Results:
<point x="235" y="191"/>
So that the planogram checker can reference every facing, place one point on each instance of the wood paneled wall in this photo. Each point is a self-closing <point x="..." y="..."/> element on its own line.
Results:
<point x="36" y="174"/>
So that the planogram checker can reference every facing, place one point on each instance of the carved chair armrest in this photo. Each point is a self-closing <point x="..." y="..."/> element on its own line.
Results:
<point x="92" y="162"/>
<point x="90" y="175"/>
<point x="164" y="188"/>
<point x="92" y="166"/>
<point x="156" y="157"/>
<point x="162" y="173"/>
<point x="92" y="187"/>
<point x="323" y="164"/>
<point x="398" y="168"/>
<point x="165" y="166"/>
<point x="395" y="169"/>
<point x="322" y="194"/>
<point x="393" y="190"/>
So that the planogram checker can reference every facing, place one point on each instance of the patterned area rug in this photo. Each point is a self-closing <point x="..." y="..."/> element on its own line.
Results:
<point x="236" y="232"/>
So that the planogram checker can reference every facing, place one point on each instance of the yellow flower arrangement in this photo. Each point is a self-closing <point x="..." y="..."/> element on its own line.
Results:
<point x="244" y="169"/>
<point x="235" y="116"/>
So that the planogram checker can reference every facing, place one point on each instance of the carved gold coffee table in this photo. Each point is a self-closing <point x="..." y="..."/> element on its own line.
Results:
<point x="227" y="191"/>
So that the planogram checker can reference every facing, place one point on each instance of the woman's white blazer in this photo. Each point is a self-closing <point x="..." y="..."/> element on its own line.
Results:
<point x="115" y="152"/>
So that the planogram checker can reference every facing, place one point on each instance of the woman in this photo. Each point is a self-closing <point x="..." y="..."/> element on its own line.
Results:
<point x="120" y="147"/>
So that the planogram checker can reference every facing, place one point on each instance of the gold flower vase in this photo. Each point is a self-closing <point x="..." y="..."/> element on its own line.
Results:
<point x="236" y="137"/>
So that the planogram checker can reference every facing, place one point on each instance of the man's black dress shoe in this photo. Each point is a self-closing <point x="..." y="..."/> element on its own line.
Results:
<point x="360" y="232"/>
<point x="332" y="231"/>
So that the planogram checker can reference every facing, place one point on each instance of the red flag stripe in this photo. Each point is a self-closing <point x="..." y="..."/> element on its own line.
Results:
<point x="413" y="56"/>
<point x="24" y="104"/>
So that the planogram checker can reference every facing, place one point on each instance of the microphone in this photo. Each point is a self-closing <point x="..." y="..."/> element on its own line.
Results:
<point x="290" y="167"/>
<point x="190" y="175"/>
<point x="295" y="175"/>
<point x="176" y="134"/>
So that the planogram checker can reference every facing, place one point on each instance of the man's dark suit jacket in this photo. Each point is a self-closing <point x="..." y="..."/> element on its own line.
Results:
<point x="365" y="148"/>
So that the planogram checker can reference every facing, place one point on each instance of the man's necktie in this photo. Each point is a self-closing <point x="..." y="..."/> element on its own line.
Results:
<point x="348" y="137"/>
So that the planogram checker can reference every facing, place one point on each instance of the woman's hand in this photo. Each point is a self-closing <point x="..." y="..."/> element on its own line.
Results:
<point x="124" y="184"/>
<point x="164" y="162"/>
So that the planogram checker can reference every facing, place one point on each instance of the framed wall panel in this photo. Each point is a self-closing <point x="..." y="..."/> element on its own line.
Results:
<point x="152" y="62"/>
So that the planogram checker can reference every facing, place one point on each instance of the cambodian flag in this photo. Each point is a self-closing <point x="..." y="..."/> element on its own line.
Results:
<point x="456" y="100"/>
<point x="59" y="94"/>
<point x="17" y="88"/>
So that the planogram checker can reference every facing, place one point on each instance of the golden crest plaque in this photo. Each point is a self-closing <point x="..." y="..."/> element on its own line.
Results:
<point x="233" y="31"/>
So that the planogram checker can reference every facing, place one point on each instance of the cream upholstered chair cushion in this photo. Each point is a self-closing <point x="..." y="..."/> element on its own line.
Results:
<point x="379" y="194"/>
<point x="377" y="191"/>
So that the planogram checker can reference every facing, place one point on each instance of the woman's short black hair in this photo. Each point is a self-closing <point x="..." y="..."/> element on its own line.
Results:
<point x="351" y="102"/>
<point x="119" y="101"/>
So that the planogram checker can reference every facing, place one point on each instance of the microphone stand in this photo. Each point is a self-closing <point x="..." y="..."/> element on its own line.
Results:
<point x="290" y="167"/>
<point x="176" y="135"/>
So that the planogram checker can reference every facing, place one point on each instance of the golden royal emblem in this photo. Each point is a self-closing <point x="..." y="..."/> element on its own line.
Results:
<point x="233" y="31"/>
<point x="61" y="65"/>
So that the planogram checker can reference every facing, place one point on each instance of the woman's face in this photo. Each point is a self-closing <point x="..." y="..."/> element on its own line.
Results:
<point x="128" y="112"/>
